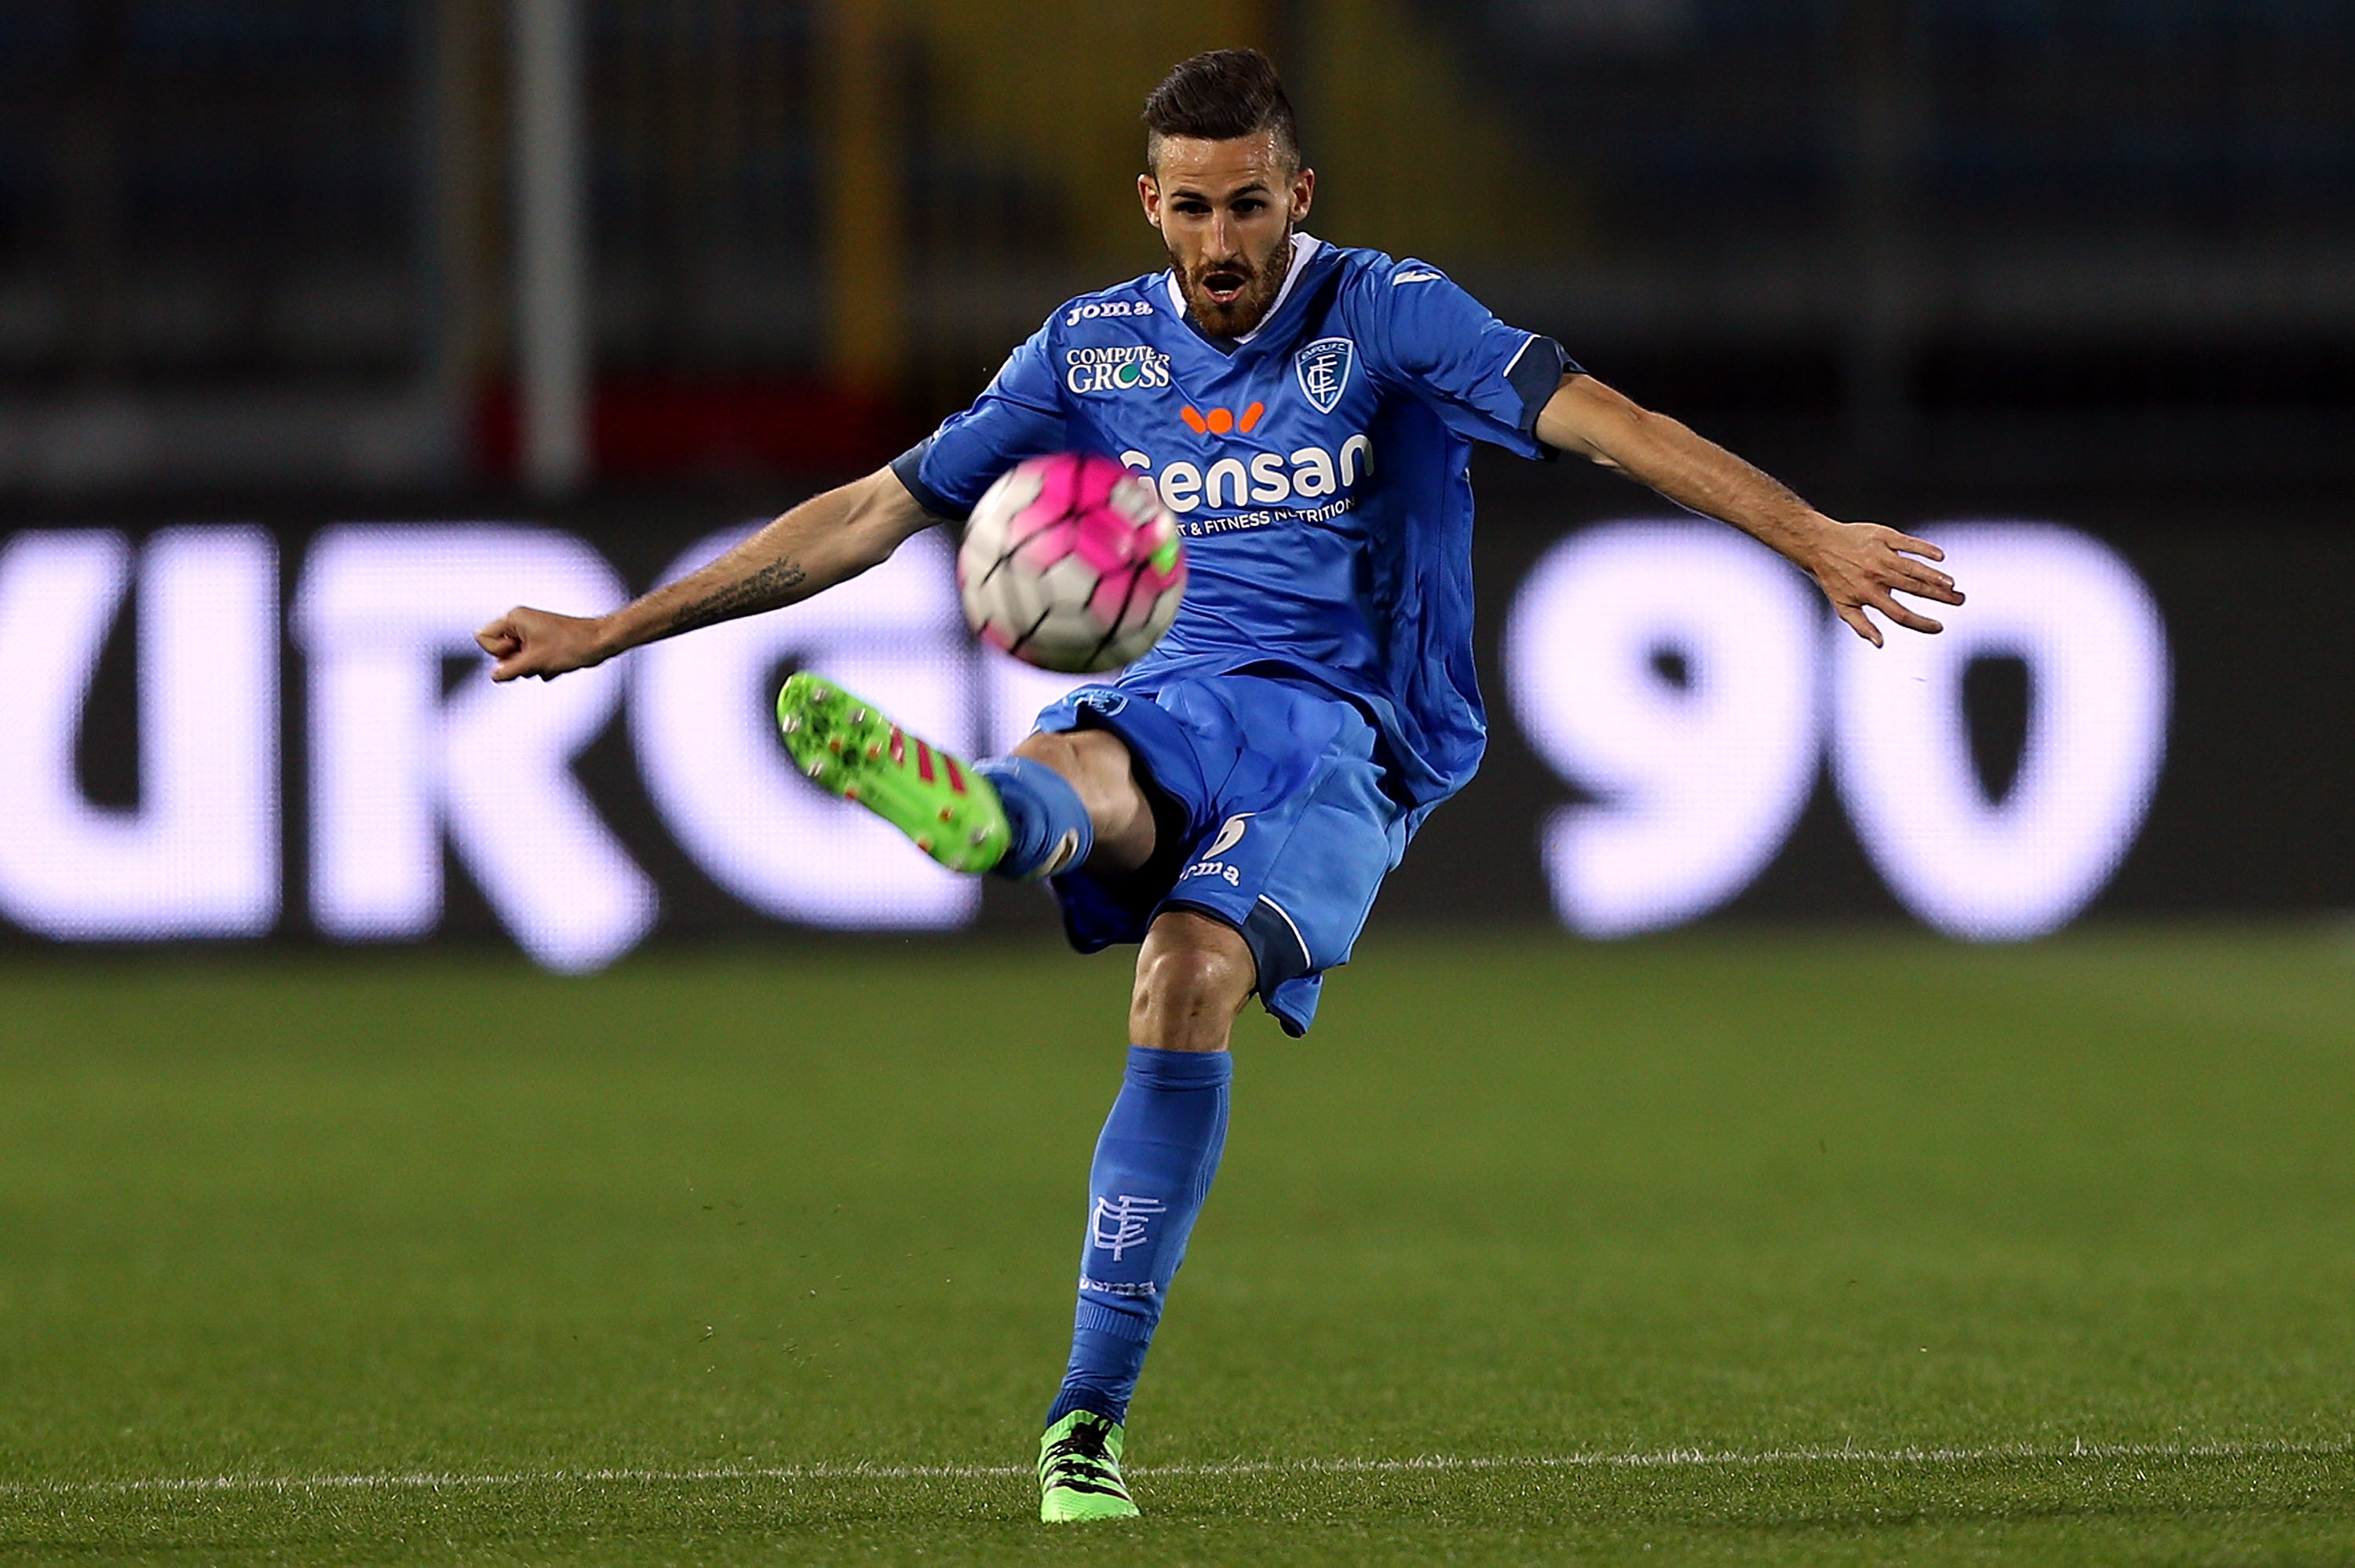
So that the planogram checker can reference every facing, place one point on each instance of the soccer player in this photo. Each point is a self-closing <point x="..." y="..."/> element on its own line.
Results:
<point x="1234" y="799"/>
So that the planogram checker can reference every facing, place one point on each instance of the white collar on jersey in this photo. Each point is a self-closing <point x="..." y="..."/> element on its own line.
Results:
<point x="1304" y="246"/>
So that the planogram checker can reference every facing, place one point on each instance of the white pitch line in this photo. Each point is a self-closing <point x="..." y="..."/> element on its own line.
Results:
<point x="1671" y="1458"/>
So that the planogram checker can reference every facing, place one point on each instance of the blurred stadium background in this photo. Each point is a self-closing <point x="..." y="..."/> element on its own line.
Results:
<point x="266" y="245"/>
<point x="327" y="330"/>
<point x="636" y="270"/>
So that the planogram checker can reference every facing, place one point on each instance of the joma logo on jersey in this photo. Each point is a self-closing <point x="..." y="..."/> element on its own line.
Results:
<point x="1323" y="368"/>
<point x="1267" y="479"/>
<point x="1126" y="368"/>
<point x="1103" y="308"/>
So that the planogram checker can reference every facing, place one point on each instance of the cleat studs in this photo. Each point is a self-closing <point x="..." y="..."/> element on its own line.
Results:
<point x="860" y="718"/>
<point x="815" y="769"/>
<point x="851" y="793"/>
<point x="981" y="835"/>
<point x="791" y="723"/>
<point x="946" y="813"/>
<point x="834" y="744"/>
<point x="924" y="843"/>
<point x="874" y="753"/>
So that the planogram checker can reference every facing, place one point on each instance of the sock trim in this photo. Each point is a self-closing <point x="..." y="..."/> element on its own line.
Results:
<point x="1095" y="1401"/>
<point x="1103" y="1320"/>
<point x="1152" y="1068"/>
<point x="1049" y="819"/>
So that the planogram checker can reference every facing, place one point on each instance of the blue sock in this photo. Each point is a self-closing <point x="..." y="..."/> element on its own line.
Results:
<point x="1051" y="829"/>
<point x="1154" y="1165"/>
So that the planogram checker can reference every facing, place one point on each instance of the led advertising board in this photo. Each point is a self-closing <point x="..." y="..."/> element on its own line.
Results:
<point x="316" y="750"/>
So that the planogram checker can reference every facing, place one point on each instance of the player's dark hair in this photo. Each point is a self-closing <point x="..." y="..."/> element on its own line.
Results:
<point x="1217" y="97"/>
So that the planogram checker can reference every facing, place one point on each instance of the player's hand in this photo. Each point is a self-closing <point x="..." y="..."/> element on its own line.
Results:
<point x="1862" y="565"/>
<point x="529" y="641"/>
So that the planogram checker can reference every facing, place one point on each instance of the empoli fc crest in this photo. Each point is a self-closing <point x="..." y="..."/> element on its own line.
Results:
<point x="1323" y="369"/>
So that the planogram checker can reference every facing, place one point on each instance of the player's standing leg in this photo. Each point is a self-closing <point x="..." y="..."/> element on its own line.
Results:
<point x="1073" y="798"/>
<point x="1154" y="1165"/>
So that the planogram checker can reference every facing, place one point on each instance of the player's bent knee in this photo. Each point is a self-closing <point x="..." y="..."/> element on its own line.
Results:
<point x="1193" y="975"/>
<point x="1091" y="759"/>
<point x="1196" y="977"/>
<point x="1096" y="763"/>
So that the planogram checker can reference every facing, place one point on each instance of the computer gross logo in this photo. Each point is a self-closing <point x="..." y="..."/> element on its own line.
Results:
<point x="1126" y="367"/>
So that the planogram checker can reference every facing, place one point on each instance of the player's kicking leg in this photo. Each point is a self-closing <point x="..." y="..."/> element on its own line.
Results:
<point x="851" y="747"/>
<point x="1025" y="816"/>
<point x="1063" y="800"/>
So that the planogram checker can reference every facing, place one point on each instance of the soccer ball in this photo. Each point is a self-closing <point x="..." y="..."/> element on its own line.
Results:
<point x="1071" y="562"/>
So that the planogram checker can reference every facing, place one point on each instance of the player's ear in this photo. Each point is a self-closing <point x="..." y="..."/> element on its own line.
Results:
<point x="1148" y="193"/>
<point x="1303" y="191"/>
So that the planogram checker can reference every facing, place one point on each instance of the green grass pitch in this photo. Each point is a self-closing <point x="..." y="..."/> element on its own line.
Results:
<point x="1796" y="1248"/>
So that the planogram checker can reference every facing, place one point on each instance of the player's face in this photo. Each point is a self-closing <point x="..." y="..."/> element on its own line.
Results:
<point x="1225" y="209"/>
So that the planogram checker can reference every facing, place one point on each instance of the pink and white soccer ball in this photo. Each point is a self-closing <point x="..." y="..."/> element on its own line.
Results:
<point x="1071" y="562"/>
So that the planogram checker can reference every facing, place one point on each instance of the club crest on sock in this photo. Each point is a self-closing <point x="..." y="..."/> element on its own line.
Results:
<point x="1119" y="1224"/>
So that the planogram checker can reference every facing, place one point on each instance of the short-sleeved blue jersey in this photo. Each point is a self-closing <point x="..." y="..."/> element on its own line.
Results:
<point x="1319" y="469"/>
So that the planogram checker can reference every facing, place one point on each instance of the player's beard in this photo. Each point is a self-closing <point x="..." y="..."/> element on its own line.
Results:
<point x="1261" y="284"/>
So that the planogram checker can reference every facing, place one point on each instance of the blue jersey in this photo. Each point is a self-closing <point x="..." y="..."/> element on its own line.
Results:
<point x="1319" y="468"/>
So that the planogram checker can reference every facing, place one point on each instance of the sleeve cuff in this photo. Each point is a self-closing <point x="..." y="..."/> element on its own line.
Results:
<point x="1536" y="372"/>
<point x="909" y="466"/>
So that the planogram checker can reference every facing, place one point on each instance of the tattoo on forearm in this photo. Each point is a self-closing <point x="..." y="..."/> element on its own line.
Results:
<point x="766" y="588"/>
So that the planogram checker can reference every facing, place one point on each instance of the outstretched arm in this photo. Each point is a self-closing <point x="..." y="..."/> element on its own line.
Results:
<point x="821" y="542"/>
<point x="1856" y="564"/>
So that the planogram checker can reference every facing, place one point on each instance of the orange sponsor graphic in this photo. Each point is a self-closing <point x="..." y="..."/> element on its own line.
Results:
<point x="1218" y="421"/>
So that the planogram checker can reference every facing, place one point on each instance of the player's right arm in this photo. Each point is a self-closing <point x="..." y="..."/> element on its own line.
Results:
<point x="823" y="541"/>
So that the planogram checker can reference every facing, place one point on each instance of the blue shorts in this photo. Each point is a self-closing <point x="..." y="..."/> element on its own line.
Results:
<point x="1286" y="832"/>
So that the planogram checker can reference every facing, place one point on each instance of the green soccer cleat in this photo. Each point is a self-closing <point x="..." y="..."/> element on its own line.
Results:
<point x="847" y="746"/>
<point x="1079" y="1471"/>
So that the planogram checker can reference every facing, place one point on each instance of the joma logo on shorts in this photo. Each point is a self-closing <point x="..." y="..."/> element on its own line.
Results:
<point x="1267" y="479"/>
<point x="1231" y="834"/>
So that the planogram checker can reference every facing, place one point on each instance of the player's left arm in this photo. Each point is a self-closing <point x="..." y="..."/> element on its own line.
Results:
<point x="1858" y="565"/>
